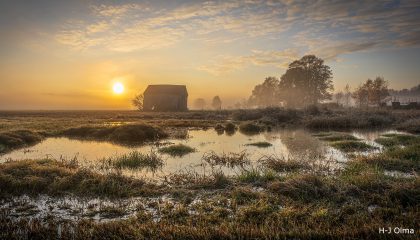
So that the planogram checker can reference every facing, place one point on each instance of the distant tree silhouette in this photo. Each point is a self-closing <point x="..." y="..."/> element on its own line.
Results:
<point x="200" y="103"/>
<point x="216" y="103"/>
<point x="266" y="94"/>
<point x="361" y="94"/>
<point x="379" y="90"/>
<point x="138" y="101"/>
<point x="306" y="81"/>
<point x="347" y="95"/>
<point x="371" y="92"/>
<point x="338" y="97"/>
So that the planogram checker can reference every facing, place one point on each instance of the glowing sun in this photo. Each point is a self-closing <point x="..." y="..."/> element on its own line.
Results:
<point x="118" y="88"/>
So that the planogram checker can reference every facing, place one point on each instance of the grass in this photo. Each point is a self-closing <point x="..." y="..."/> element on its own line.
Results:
<point x="124" y="134"/>
<point x="177" y="150"/>
<point x="298" y="206"/>
<point x="281" y="164"/>
<point x="394" y="140"/>
<point x="257" y="203"/>
<point x="352" y="146"/>
<point x="230" y="160"/>
<point x="260" y="144"/>
<point x="17" y="139"/>
<point x="136" y="160"/>
<point x="194" y="180"/>
<point x="53" y="177"/>
<point x="338" y="137"/>
<point x="256" y="176"/>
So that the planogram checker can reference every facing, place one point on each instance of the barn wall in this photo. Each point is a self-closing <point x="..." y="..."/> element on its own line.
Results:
<point x="164" y="102"/>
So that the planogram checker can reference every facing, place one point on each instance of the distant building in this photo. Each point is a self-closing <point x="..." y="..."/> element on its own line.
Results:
<point x="165" y="98"/>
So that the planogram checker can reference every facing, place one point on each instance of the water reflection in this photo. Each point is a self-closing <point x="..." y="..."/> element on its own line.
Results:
<point x="285" y="143"/>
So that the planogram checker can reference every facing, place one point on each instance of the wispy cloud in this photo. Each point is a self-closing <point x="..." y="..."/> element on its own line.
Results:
<point x="224" y="64"/>
<point x="323" y="27"/>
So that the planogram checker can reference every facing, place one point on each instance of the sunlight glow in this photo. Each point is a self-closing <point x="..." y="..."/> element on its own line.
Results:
<point x="118" y="88"/>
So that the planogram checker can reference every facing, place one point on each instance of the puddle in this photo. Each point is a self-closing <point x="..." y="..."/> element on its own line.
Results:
<point x="285" y="143"/>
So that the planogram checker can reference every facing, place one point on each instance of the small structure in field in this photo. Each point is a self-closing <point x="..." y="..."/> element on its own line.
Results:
<point x="165" y="98"/>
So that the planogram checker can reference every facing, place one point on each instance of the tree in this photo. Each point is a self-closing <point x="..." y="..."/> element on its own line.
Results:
<point x="371" y="92"/>
<point x="379" y="90"/>
<point x="265" y="94"/>
<point x="360" y="94"/>
<point x="138" y="101"/>
<point x="338" y="97"/>
<point x="200" y="103"/>
<point x="306" y="81"/>
<point x="347" y="95"/>
<point x="216" y="103"/>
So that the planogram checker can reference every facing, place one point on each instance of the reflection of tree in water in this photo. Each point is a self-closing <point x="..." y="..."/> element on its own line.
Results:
<point x="298" y="142"/>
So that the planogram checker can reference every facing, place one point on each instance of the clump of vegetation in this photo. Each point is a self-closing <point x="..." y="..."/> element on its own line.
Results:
<point x="177" y="150"/>
<point x="352" y="146"/>
<point x="393" y="140"/>
<point x="250" y="128"/>
<point x="256" y="176"/>
<point x="124" y="134"/>
<point x="338" y="137"/>
<point x="260" y="144"/>
<point x="53" y="177"/>
<point x="136" y="160"/>
<point x="230" y="160"/>
<point x="230" y="127"/>
<point x="307" y="187"/>
<point x="282" y="164"/>
<point x="18" y="139"/>
<point x="194" y="180"/>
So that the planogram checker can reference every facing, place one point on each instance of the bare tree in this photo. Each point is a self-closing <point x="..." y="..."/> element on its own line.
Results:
<point x="216" y="103"/>
<point x="200" y="103"/>
<point x="138" y="101"/>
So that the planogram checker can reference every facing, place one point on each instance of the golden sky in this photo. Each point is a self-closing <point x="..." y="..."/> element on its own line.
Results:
<point x="68" y="54"/>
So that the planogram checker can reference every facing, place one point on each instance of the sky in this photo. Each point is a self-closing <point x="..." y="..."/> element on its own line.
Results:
<point x="61" y="54"/>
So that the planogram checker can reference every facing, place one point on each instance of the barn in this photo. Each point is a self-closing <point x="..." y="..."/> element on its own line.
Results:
<point x="165" y="98"/>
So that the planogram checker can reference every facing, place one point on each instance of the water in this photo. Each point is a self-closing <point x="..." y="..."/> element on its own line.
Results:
<point x="285" y="143"/>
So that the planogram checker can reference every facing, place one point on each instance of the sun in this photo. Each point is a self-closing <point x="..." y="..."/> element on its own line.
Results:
<point x="118" y="88"/>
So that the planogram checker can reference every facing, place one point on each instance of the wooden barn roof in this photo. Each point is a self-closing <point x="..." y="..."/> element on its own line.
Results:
<point x="166" y="89"/>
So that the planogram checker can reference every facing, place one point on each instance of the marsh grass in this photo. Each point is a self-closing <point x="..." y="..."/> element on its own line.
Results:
<point x="129" y="134"/>
<point x="256" y="175"/>
<point x="177" y="150"/>
<point x="17" y="139"/>
<point x="281" y="164"/>
<point x="394" y="140"/>
<point x="260" y="144"/>
<point x="230" y="160"/>
<point x="136" y="160"/>
<point x="47" y="176"/>
<point x="352" y="146"/>
<point x="194" y="180"/>
<point x="338" y="137"/>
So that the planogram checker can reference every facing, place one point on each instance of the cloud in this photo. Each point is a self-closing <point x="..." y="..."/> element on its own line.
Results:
<point x="225" y="64"/>
<point x="322" y="27"/>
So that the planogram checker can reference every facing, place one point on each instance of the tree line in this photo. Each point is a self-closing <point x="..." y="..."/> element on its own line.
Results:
<point x="308" y="81"/>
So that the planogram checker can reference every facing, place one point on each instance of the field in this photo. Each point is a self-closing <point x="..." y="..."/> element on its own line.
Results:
<point x="270" y="173"/>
